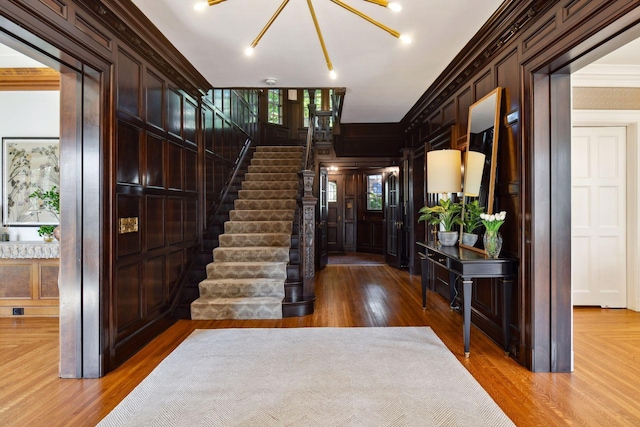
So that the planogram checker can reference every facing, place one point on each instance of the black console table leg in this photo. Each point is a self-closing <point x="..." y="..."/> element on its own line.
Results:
<point x="507" y="291"/>
<point x="466" y="316"/>
<point x="425" y="281"/>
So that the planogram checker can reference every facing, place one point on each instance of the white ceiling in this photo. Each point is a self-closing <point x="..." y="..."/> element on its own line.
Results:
<point x="383" y="76"/>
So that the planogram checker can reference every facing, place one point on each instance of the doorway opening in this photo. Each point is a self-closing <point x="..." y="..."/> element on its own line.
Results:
<point x="81" y="207"/>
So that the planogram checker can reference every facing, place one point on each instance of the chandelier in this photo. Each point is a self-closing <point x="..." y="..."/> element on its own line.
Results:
<point x="332" y="73"/>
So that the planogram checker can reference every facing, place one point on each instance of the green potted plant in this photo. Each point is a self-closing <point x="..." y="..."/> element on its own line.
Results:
<point x="446" y="214"/>
<point x="471" y="221"/>
<point x="48" y="201"/>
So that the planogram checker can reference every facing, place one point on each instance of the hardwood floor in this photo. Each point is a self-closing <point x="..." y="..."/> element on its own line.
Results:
<point x="603" y="390"/>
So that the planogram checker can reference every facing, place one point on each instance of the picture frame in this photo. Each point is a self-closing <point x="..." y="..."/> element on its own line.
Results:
<point x="28" y="164"/>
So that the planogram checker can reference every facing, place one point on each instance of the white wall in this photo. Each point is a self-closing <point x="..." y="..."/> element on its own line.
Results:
<point x="28" y="114"/>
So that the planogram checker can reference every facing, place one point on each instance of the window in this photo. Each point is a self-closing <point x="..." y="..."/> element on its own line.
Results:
<point x="307" y="101"/>
<point x="274" y="106"/>
<point x="374" y="192"/>
<point x="332" y="192"/>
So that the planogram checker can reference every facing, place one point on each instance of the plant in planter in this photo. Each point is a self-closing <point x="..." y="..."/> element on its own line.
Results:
<point x="447" y="214"/>
<point x="471" y="221"/>
<point x="46" y="232"/>
<point x="49" y="201"/>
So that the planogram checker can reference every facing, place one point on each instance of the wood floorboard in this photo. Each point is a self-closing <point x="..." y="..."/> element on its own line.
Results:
<point x="602" y="391"/>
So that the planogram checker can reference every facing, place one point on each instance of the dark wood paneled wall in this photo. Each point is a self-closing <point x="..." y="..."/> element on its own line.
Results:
<point x="369" y="139"/>
<point x="518" y="49"/>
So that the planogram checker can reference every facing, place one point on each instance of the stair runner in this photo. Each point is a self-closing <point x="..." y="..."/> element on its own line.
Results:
<point x="246" y="278"/>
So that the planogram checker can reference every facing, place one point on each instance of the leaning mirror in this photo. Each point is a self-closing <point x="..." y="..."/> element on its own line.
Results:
<point x="480" y="164"/>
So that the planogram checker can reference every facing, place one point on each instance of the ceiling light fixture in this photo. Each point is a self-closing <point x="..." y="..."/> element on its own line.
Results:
<point x="396" y="7"/>
<point x="200" y="6"/>
<point x="332" y="73"/>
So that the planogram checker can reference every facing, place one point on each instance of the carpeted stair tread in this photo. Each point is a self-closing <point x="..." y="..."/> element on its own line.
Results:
<point x="280" y="148"/>
<point x="277" y="161"/>
<point x="237" y="288"/>
<point x="254" y="253"/>
<point x="274" y="169"/>
<point x="279" y="176"/>
<point x="245" y="270"/>
<point x="270" y="185"/>
<point x="277" y="155"/>
<point x="255" y="239"/>
<point x="206" y="308"/>
<point x="239" y="227"/>
<point x="268" y="204"/>
<point x="267" y="194"/>
<point x="262" y="215"/>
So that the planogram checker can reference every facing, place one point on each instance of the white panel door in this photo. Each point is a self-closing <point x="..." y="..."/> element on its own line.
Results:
<point x="598" y="216"/>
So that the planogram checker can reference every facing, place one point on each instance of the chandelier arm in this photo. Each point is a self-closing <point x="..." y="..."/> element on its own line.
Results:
<point x="266" y="27"/>
<point x="320" y="38"/>
<point x="214" y="2"/>
<point x="367" y="18"/>
<point x="383" y="3"/>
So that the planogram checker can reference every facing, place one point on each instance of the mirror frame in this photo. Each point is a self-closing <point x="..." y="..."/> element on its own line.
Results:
<point x="483" y="111"/>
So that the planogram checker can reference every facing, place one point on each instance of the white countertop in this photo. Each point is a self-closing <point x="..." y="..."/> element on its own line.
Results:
<point x="35" y="249"/>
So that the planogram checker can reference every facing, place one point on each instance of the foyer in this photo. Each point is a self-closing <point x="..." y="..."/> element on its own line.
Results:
<point x="601" y="391"/>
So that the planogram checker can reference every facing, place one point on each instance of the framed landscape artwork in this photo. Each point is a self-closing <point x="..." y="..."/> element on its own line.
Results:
<point x="28" y="165"/>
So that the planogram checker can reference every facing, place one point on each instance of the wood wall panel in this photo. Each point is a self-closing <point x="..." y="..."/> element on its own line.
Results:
<point x="155" y="285"/>
<point x="155" y="100"/>
<point x="173" y="220"/>
<point x="190" y="121"/>
<point x="155" y="161"/>
<point x="154" y="225"/>
<point x="128" y="148"/>
<point x="49" y="281"/>
<point x="15" y="281"/>
<point x="95" y="34"/>
<point x="174" y="112"/>
<point x="129" y="83"/>
<point x="175" y="262"/>
<point x="190" y="220"/>
<point x="175" y="163"/>
<point x="190" y="170"/>
<point x="128" y="293"/>
<point x="57" y="6"/>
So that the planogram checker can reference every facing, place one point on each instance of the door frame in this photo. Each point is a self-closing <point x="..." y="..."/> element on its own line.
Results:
<point x="631" y="121"/>
<point x="82" y="319"/>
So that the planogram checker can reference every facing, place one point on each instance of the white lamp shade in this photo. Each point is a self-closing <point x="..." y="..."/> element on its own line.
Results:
<point x="473" y="169"/>
<point x="444" y="171"/>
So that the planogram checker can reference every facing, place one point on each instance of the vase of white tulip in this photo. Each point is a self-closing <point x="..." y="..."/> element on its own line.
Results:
<point x="492" y="239"/>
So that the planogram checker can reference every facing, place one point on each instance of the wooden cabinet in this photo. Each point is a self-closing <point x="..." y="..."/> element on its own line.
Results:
<point x="29" y="285"/>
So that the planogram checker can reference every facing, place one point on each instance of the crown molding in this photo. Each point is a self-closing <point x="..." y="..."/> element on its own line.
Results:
<point x="23" y="79"/>
<point x="607" y="76"/>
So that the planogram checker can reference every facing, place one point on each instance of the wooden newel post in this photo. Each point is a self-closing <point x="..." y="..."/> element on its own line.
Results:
<point x="307" y="235"/>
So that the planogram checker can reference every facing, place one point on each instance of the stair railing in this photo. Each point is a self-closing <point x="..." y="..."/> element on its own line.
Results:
<point x="236" y="167"/>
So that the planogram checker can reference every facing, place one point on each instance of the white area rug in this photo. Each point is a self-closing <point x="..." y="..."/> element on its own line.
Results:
<point x="309" y="377"/>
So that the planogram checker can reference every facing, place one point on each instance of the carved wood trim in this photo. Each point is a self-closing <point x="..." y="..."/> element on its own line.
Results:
<point x="29" y="79"/>
<point x="509" y="20"/>
<point x="148" y="41"/>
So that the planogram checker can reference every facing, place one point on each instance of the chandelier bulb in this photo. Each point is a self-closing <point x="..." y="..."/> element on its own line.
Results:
<point x="249" y="51"/>
<point x="200" y="6"/>
<point x="405" y="39"/>
<point x="396" y="7"/>
<point x="333" y="74"/>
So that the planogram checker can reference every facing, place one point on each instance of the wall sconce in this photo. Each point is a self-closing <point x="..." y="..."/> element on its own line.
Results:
<point x="444" y="171"/>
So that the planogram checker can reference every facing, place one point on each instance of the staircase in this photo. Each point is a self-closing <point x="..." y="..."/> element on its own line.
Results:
<point x="246" y="279"/>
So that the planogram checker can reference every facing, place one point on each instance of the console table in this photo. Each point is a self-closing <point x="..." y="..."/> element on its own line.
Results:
<point x="469" y="265"/>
